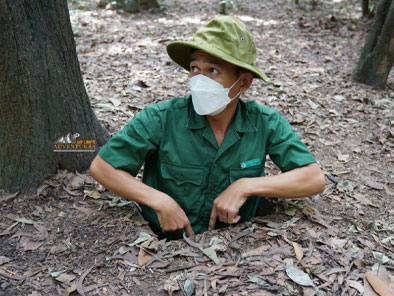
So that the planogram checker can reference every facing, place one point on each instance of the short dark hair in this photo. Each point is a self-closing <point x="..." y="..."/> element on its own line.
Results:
<point x="239" y="71"/>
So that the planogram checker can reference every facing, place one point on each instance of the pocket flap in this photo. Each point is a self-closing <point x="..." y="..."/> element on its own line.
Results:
<point x="182" y="174"/>
<point x="251" y="172"/>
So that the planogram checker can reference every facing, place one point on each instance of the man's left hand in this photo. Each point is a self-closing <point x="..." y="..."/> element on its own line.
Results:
<point x="228" y="203"/>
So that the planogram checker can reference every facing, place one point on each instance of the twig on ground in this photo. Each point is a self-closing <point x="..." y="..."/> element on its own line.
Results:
<point x="79" y="282"/>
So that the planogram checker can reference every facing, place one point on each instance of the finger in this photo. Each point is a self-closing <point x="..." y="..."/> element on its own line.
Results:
<point x="230" y="218"/>
<point x="189" y="230"/>
<point x="212" y="220"/>
<point x="222" y="217"/>
<point x="233" y="218"/>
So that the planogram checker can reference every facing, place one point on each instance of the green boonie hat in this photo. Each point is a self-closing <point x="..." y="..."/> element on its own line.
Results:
<point x="224" y="37"/>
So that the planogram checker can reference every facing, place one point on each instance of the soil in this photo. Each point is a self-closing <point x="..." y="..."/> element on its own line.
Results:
<point x="74" y="237"/>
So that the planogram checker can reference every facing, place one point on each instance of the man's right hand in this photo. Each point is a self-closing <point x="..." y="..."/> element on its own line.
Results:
<point x="171" y="216"/>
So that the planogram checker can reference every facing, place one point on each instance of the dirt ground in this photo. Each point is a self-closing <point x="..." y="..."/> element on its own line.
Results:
<point x="73" y="237"/>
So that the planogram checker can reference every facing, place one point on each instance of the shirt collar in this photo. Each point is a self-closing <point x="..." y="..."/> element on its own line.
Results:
<point x="242" y="122"/>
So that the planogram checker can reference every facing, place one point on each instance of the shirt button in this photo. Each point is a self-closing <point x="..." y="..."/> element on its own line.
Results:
<point x="212" y="187"/>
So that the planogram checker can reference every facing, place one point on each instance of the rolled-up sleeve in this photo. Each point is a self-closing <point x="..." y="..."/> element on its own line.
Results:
<point x="128" y="149"/>
<point x="284" y="146"/>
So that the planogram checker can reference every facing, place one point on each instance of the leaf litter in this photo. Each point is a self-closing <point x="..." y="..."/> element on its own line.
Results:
<point x="337" y="239"/>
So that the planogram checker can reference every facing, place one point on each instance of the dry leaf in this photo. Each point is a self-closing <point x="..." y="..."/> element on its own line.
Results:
<point x="375" y="185"/>
<point x="4" y="259"/>
<point x="143" y="257"/>
<point x="356" y="285"/>
<point x="93" y="194"/>
<point x="380" y="287"/>
<point x="255" y="252"/>
<point x="213" y="283"/>
<point x="171" y="285"/>
<point x="31" y="246"/>
<point x="365" y="201"/>
<point x="298" y="250"/>
<point x="65" y="278"/>
<point x="76" y="182"/>
<point x="86" y="211"/>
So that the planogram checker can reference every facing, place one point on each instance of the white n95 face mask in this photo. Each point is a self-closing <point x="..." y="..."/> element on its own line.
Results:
<point x="208" y="96"/>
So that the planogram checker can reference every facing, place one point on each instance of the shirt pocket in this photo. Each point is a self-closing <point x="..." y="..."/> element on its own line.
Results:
<point x="252" y="172"/>
<point x="184" y="184"/>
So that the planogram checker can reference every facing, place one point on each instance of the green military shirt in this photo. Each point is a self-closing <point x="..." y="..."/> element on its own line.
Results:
<point x="182" y="157"/>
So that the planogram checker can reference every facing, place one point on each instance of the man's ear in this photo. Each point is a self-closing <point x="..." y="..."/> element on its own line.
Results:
<point x="246" y="80"/>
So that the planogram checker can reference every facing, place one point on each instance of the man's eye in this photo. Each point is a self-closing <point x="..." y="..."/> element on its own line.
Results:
<point x="193" y="69"/>
<point x="213" y="71"/>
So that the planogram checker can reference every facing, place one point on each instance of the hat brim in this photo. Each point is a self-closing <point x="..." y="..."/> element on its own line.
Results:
<point x="179" y="52"/>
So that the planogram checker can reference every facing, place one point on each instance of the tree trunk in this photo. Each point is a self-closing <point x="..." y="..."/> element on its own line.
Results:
<point x="377" y="56"/>
<point x="42" y="95"/>
<point x="365" y="7"/>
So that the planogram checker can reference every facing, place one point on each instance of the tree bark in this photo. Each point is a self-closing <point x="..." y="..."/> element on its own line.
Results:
<point x="365" y="7"/>
<point x="377" y="56"/>
<point x="42" y="94"/>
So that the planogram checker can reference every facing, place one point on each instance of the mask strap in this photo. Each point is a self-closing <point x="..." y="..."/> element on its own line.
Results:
<point x="234" y="83"/>
<point x="239" y="93"/>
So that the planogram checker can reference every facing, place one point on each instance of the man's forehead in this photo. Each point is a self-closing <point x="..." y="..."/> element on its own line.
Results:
<point x="206" y="57"/>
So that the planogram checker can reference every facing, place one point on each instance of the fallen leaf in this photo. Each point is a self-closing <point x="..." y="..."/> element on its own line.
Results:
<point x="32" y="245"/>
<point x="339" y="98"/>
<point x="388" y="191"/>
<point x="289" y="222"/>
<point x="365" y="201"/>
<point x="8" y="196"/>
<point x="298" y="251"/>
<point x="387" y="239"/>
<point x="356" y="285"/>
<point x="70" y="289"/>
<point x="213" y="283"/>
<point x="291" y="211"/>
<point x="115" y="101"/>
<point x="58" y="248"/>
<point x="313" y="104"/>
<point x="143" y="257"/>
<point x="338" y="243"/>
<point x="142" y="236"/>
<point x="211" y="254"/>
<point x="308" y="292"/>
<point x="380" y="287"/>
<point x="93" y="194"/>
<point x="171" y="285"/>
<point x="343" y="157"/>
<point x="55" y="274"/>
<point x="65" y="278"/>
<point x="141" y="222"/>
<point x="24" y="220"/>
<point x="86" y="211"/>
<point x="374" y="184"/>
<point x="298" y="276"/>
<point x="189" y="287"/>
<point x="76" y="182"/>
<point x="256" y="252"/>
<point x="262" y="283"/>
<point x="380" y="257"/>
<point x="345" y="185"/>
<point x="4" y="259"/>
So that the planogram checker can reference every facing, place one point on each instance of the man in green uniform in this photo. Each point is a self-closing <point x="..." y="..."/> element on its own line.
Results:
<point x="204" y="154"/>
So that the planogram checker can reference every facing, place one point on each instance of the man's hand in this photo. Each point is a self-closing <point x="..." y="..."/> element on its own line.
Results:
<point x="171" y="216"/>
<point x="226" y="206"/>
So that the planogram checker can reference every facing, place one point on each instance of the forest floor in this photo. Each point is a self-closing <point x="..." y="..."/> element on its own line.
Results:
<point x="74" y="237"/>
